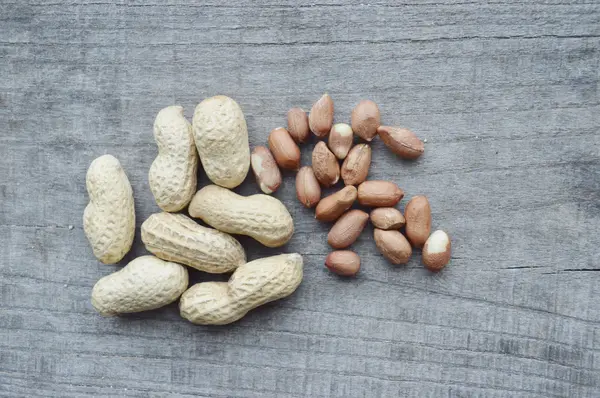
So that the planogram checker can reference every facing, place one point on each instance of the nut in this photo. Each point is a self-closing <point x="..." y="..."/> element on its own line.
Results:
<point x="347" y="229"/>
<point x="298" y="125"/>
<point x="393" y="245"/>
<point x="402" y="142"/>
<point x="379" y="193"/>
<point x="175" y="237"/>
<point x="387" y="218"/>
<point x="261" y="217"/>
<point x="437" y="250"/>
<point x="144" y="284"/>
<point x="325" y="165"/>
<point x="285" y="150"/>
<point x="265" y="169"/>
<point x="173" y="173"/>
<point x="333" y="206"/>
<point x="343" y="262"/>
<point x="340" y="140"/>
<point x="418" y="220"/>
<point x="321" y="116"/>
<point x="308" y="189"/>
<point x="365" y="119"/>
<point x="356" y="166"/>
<point x="251" y="285"/>
<point x="109" y="218"/>
<point x="221" y="137"/>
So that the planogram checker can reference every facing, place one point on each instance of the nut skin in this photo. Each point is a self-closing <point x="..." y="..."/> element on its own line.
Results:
<point x="387" y="218"/>
<point x="347" y="229"/>
<point x="343" y="262"/>
<point x="261" y="217"/>
<point x="221" y="137"/>
<point x="393" y="245"/>
<point x="377" y="193"/>
<point x="265" y="169"/>
<point x="146" y="283"/>
<point x="285" y="150"/>
<point x="109" y="217"/>
<point x="173" y="174"/>
<point x="340" y="140"/>
<point x="437" y="251"/>
<point x="320" y="119"/>
<point x="298" y="125"/>
<point x="401" y="141"/>
<point x="175" y="237"/>
<point x="417" y="213"/>
<point x="325" y="165"/>
<point x="356" y="166"/>
<point x="331" y="207"/>
<point x="365" y="119"/>
<point x="308" y="189"/>
<point x="251" y="285"/>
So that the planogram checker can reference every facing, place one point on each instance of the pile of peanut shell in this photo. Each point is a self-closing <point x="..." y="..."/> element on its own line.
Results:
<point x="382" y="196"/>
<point x="218" y="138"/>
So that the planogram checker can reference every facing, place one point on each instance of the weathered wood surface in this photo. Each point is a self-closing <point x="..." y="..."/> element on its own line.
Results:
<point x="506" y="94"/>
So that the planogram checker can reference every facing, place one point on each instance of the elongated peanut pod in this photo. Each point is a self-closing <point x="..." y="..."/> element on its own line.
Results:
<point x="109" y="218"/>
<point x="175" y="237"/>
<point x="144" y="284"/>
<point x="251" y="285"/>
<point x="173" y="174"/>
<point x="221" y="137"/>
<point x="261" y="217"/>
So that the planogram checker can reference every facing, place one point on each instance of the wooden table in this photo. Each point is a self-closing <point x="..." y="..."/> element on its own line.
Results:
<point x="506" y="95"/>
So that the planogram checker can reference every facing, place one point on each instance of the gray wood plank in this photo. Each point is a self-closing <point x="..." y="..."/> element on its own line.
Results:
<point x="506" y="94"/>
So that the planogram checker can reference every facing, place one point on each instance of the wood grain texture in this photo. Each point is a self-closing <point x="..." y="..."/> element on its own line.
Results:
<point x="506" y="94"/>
